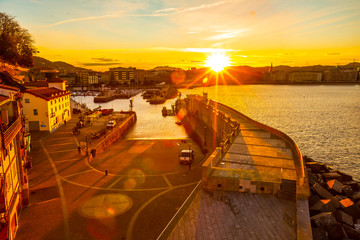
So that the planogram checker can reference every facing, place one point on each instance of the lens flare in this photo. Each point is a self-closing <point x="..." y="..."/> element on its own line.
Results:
<point x="217" y="61"/>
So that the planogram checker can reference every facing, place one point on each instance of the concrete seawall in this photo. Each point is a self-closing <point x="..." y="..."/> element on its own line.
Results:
<point x="116" y="133"/>
<point x="215" y="127"/>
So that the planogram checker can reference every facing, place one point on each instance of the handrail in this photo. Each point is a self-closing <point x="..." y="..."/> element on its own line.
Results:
<point x="11" y="132"/>
<point x="276" y="132"/>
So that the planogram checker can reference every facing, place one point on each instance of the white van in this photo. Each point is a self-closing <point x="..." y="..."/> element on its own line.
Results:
<point x="186" y="156"/>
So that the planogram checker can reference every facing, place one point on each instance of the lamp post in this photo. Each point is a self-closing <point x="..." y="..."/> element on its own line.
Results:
<point x="204" y="136"/>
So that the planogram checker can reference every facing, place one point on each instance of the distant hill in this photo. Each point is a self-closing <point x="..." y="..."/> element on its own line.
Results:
<point x="59" y="65"/>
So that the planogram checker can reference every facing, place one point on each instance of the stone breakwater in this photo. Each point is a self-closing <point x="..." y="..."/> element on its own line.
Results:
<point x="334" y="202"/>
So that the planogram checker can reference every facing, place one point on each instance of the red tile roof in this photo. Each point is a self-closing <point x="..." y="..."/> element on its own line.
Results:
<point x="47" y="93"/>
<point x="36" y="84"/>
<point x="3" y="98"/>
<point x="55" y="80"/>
<point x="9" y="87"/>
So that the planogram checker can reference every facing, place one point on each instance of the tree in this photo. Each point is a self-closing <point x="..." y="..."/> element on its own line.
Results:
<point x="16" y="43"/>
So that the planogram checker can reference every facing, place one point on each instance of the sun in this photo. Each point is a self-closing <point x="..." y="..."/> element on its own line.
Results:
<point x="217" y="61"/>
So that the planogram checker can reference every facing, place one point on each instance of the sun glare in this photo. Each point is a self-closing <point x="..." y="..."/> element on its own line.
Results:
<point x="217" y="61"/>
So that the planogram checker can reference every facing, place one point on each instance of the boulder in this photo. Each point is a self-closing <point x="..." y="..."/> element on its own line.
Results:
<point x="342" y="217"/>
<point x="348" y="190"/>
<point x="324" y="219"/>
<point x="322" y="192"/>
<point x="316" y="167"/>
<point x="319" y="234"/>
<point x="335" y="185"/>
<point x="351" y="232"/>
<point x="344" y="177"/>
<point x="331" y="175"/>
<point x="336" y="231"/>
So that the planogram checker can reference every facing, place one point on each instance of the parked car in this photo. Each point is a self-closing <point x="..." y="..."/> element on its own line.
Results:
<point x="111" y="124"/>
<point x="186" y="156"/>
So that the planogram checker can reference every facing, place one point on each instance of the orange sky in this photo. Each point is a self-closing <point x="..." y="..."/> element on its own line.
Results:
<point x="101" y="34"/>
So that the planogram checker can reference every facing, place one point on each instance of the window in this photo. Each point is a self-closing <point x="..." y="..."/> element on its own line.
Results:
<point x="55" y="100"/>
<point x="51" y="102"/>
<point x="55" y="109"/>
<point x="35" y="112"/>
<point x="27" y="100"/>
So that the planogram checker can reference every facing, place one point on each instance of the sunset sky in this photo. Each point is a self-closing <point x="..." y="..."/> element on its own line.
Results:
<point x="99" y="34"/>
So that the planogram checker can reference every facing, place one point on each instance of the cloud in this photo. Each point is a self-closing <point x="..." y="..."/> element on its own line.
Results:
<point x="226" y="34"/>
<point x="335" y="53"/>
<point x="157" y="13"/>
<point x="165" y="10"/>
<point x="103" y="59"/>
<point x="170" y="11"/>
<point x="100" y="64"/>
<point x="201" y="50"/>
<point x="84" y="19"/>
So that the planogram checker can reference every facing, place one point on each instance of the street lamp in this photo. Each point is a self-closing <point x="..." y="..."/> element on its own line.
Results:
<point x="204" y="136"/>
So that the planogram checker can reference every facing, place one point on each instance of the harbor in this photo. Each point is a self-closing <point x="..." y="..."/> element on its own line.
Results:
<point x="147" y="164"/>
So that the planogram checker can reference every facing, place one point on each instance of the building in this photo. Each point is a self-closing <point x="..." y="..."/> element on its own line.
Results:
<point x="127" y="76"/>
<point x="105" y="77"/>
<point x="84" y="77"/>
<point x="93" y="78"/>
<point x="338" y="75"/>
<point x="305" y="77"/>
<point x="56" y="83"/>
<point x="276" y="77"/>
<point x="46" y="108"/>
<point x="14" y="145"/>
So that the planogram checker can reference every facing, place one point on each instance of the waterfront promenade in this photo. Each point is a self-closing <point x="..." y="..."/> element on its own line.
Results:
<point x="72" y="198"/>
<point x="250" y="190"/>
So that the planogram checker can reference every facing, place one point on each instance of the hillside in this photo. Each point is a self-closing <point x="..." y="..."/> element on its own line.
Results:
<point x="40" y="62"/>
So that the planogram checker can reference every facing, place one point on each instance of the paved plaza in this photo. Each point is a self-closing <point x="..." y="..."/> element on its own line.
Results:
<point x="72" y="198"/>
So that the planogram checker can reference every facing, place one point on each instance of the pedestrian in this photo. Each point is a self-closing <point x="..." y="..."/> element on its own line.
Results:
<point x="65" y="122"/>
<point x="106" y="172"/>
<point x="189" y="165"/>
<point x="79" y="149"/>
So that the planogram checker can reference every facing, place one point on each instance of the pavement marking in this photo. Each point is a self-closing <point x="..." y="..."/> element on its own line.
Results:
<point x="135" y="216"/>
<point x="61" y="192"/>
<point x="57" y="139"/>
<point x="78" y="173"/>
<point x="124" y="189"/>
<point x="115" y="182"/>
<point x="69" y="150"/>
<point x="60" y="144"/>
<point x="167" y="180"/>
<point x="69" y="160"/>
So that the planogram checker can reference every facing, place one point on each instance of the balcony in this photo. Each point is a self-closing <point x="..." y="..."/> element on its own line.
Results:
<point x="11" y="131"/>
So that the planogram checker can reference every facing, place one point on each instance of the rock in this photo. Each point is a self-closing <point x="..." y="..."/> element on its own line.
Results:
<point x="331" y="175"/>
<point x="344" y="177"/>
<point x="335" y="185"/>
<point x="319" y="234"/>
<point x="316" y="167"/>
<point x="322" y="192"/>
<point x="355" y="197"/>
<point x="346" y="203"/>
<point x="348" y="190"/>
<point x="342" y="217"/>
<point x="314" y="198"/>
<point x="357" y="226"/>
<point x="313" y="178"/>
<point x="336" y="231"/>
<point x="351" y="232"/>
<point x="323" y="219"/>
<point x="354" y="185"/>
<point x="353" y="210"/>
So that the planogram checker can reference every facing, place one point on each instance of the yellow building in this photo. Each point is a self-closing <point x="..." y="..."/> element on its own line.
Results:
<point x="46" y="108"/>
<point x="14" y="144"/>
